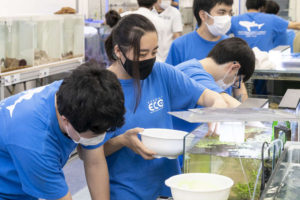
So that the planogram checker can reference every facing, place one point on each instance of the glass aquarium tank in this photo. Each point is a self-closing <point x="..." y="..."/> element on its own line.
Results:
<point x="284" y="182"/>
<point x="73" y="36"/>
<point x="17" y="43"/>
<point x="48" y="46"/>
<point x="243" y="141"/>
<point x="36" y="40"/>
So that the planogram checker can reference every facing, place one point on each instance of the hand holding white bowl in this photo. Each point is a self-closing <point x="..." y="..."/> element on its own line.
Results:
<point x="131" y="140"/>
<point x="165" y="142"/>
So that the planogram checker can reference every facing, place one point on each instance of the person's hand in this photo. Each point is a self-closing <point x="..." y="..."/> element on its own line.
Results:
<point x="212" y="129"/>
<point x="131" y="140"/>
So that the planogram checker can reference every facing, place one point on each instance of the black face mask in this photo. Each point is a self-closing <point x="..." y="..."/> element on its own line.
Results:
<point x="145" y="67"/>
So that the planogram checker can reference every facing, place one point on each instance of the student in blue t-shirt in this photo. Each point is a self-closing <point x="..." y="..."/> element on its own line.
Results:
<point x="151" y="90"/>
<point x="260" y="29"/>
<point x="39" y="128"/>
<point x="213" y="18"/>
<point x="230" y="62"/>
<point x="273" y="7"/>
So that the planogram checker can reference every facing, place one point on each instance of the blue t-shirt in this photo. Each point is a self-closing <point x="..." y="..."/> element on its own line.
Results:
<point x="190" y="46"/>
<point x="166" y="89"/>
<point x="285" y="39"/>
<point x="258" y="29"/>
<point x="33" y="150"/>
<point x="194" y="69"/>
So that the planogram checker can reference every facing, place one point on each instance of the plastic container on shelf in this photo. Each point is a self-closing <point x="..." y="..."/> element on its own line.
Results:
<point x="48" y="45"/>
<point x="35" y="40"/>
<point x="17" y="40"/>
<point x="73" y="36"/>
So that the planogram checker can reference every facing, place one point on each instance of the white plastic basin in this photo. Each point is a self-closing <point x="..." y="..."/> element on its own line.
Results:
<point x="165" y="142"/>
<point x="199" y="186"/>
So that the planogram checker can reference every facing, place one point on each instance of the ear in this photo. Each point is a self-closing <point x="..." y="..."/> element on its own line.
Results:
<point x="117" y="52"/>
<point x="234" y="66"/>
<point x="64" y="120"/>
<point x="202" y="15"/>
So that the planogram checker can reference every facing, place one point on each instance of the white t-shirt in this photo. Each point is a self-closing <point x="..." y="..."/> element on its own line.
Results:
<point x="172" y="24"/>
<point x="158" y="23"/>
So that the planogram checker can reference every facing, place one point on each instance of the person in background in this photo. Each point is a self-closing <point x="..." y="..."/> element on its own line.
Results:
<point x="213" y="18"/>
<point x="95" y="38"/>
<point x="297" y="43"/>
<point x="151" y="90"/>
<point x="172" y="22"/>
<point x="272" y="7"/>
<point x="39" y="128"/>
<point x="230" y="63"/>
<point x="111" y="18"/>
<point x="175" y="3"/>
<point x="145" y="9"/>
<point x="259" y="29"/>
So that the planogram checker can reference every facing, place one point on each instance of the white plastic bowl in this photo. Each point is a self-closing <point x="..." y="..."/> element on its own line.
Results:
<point x="199" y="186"/>
<point x="165" y="142"/>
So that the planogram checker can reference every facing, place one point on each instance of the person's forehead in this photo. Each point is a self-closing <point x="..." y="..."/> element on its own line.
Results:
<point x="149" y="40"/>
<point x="222" y="6"/>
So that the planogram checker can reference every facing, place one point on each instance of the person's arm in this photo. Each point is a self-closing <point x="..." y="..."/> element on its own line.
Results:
<point x="241" y="93"/>
<point x="294" y="25"/>
<point x="210" y="98"/>
<point x="176" y="35"/>
<point x="67" y="197"/>
<point x="128" y="139"/>
<point x="174" y="3"/>
<point x="96" y="172"/>
<point x="231" y="102"/>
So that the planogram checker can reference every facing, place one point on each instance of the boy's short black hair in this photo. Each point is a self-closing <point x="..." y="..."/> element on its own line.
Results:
<point x="91" y="98"/>
<point x="235" y="49"/>
<point x="271" y="7"/>
<point x="255" y="4"/>
<point x="207" y="5"/>
<point x="146" y="3"/>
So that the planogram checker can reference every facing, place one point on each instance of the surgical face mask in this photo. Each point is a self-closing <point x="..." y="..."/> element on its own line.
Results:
<point x="87" y="141"/>
<point x="165" y="4"/>
<point x="145" y="67"/>
<point x="220" y="26"/>
<point x="223" y="85"/>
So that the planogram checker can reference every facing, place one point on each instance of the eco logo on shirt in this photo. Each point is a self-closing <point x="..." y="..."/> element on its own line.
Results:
<point x="156" y="104"/>
<point x="248" y="25"/>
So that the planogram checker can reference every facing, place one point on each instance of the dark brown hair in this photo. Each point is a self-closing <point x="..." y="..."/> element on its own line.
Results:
<point x="127" y="35"/>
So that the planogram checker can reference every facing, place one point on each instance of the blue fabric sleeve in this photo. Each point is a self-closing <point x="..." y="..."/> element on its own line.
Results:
<point x="41" y="176"/>
<point x="231" y="27"/>
<point x="210" y="84"/>
<point x="280" y="25"/>
<point x="184" y="92"/>
<point x="173" y="55"/>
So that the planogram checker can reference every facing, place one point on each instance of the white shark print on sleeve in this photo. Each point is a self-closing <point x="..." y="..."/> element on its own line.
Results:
<point x="26" y="96"/>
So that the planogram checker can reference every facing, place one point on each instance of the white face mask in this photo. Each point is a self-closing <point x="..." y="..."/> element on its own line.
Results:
<point x="223" y="85"/>
<point x="87" y="141"/>
<point x="220" y="26"/>
<point x="165" y="4"/>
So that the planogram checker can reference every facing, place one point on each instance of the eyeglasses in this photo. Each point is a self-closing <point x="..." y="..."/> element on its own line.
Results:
<point x="237" y="84"/>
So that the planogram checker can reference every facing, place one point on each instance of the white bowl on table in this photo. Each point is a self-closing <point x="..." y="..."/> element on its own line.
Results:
<point x="199" y="186"/>
<point x="164" y="142"/>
